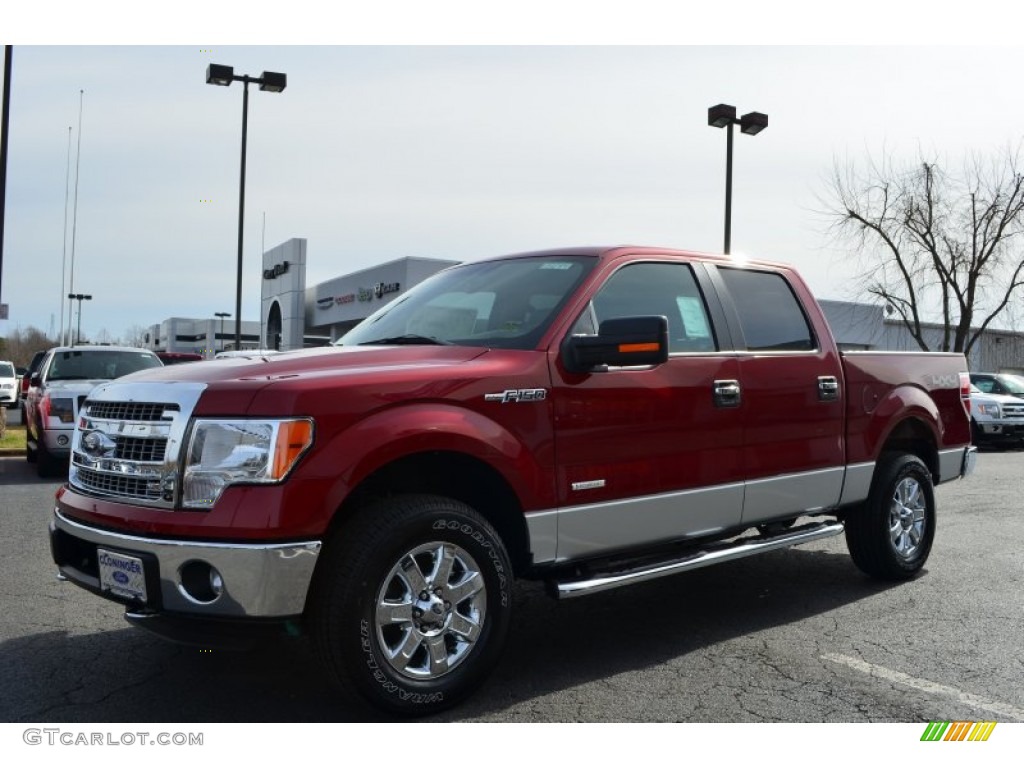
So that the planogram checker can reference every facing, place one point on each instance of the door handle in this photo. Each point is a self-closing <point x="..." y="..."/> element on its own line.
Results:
<point x="726" y="393"/>
<point x="828" y="388"/>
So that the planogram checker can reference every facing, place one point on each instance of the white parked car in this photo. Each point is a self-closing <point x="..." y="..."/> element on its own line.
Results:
<point x="8" y="384"/>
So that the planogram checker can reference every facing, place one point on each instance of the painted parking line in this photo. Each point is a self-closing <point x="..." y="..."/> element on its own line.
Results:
<point x="1008" y="711"/>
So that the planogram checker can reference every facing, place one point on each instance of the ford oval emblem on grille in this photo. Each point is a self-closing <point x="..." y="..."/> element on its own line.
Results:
<point x="98" y="444"/>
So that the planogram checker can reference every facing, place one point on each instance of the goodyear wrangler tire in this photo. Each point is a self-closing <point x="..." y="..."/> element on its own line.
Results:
<point x="891" y="535"/>
<point x="413" y="604"/>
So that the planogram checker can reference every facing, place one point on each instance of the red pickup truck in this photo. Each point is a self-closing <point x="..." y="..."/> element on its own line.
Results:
<point x="589" y="417"/>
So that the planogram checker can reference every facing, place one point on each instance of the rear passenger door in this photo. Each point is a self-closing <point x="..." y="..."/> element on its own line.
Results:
<point x="790" y="380"/>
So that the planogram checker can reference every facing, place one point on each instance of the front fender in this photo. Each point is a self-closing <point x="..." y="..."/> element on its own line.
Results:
<point x="386" y="436"/>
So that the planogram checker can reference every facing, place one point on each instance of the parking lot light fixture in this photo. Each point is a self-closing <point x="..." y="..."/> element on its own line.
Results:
<point x="79" y="297"/>
<point x="752" y="123"/>
<point x="275" y="82"/>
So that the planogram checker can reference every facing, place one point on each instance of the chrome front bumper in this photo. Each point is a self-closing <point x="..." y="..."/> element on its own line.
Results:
<point x="259" y="580"/>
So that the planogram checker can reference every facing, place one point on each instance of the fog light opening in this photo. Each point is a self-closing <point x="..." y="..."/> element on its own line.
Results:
<point x="62" y="440"/>
<point x="200" y="582"/>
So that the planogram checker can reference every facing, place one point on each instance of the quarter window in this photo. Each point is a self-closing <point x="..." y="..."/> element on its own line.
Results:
<point x="770" y="316"/>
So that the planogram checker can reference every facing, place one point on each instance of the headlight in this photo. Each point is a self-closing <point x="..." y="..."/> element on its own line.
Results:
<point x="223" y="453"/>
<point x="990" y="409"/>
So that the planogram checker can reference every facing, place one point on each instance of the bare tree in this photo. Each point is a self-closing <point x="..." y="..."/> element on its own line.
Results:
<point x="23" y="343"/>
<point x="136" y="336"/>
<point x="937" y="248"/>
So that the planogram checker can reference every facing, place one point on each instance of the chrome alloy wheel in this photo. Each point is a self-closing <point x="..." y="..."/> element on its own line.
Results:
<point x="907" y="517"/>
<point x="430" y="610"/>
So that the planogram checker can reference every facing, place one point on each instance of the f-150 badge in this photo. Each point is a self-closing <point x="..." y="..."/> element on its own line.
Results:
<point x="517" y="396"/>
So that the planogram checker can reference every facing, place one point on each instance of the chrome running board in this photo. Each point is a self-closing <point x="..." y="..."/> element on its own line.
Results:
<point x="719" y="552"/>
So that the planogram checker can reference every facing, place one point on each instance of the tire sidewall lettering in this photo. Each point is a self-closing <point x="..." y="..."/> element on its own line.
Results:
<point x="485" y="544"/>
<point x="388" y="685"/>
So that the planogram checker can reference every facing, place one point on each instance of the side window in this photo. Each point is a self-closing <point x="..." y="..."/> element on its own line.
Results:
<point x="985" y="385"/>
<point x="651" y="288"/>
<point x="770" y="315"/>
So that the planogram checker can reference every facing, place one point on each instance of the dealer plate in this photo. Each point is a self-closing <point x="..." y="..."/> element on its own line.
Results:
<point x="122" y="575"/>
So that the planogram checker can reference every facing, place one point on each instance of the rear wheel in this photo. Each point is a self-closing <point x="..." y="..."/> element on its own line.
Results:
<point x="890" y="536"/>
<point x="413" y="603"/>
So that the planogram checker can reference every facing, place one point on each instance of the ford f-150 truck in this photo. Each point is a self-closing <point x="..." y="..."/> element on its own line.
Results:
<point x="589" y="417"/>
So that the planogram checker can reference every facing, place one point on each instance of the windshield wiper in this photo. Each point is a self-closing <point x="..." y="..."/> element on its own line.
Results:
<point x="408" y="338"/>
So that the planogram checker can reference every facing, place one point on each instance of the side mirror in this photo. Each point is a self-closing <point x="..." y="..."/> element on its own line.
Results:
<point x="36" y="380"/>
<point x="620" y="341"/>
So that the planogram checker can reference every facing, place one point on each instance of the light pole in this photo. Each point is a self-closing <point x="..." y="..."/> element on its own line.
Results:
<point x="752" y="123"/>
<point x="275" y="82"/>
<point x="79" y="297"/>
<point x="221" y="315"/>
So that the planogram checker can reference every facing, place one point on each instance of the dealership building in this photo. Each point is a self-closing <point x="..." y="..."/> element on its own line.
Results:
<point x="293" y="316"/>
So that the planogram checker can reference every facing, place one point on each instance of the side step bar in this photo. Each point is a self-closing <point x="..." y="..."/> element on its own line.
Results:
<point x="714" y="553"/>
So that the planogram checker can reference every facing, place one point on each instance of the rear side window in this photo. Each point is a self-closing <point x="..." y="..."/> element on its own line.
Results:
<point x="770" y="316"/>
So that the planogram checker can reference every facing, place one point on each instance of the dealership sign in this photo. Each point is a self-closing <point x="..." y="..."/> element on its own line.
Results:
<point x="379" y="291"/>
<point x="275" y="271"/>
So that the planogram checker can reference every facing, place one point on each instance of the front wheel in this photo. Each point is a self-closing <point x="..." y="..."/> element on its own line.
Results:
<point x="891" y="535"/>
<point x="413" y="603"/>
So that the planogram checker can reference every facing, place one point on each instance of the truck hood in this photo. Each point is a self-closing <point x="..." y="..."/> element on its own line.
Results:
<point x="72" y="387"/>
<point x="311" y="362"/>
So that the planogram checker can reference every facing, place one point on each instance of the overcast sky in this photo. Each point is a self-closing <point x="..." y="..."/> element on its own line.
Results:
<point x="454" y="152"/>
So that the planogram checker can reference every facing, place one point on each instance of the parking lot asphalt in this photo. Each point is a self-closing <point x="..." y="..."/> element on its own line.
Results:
<point x="798" y="635"/>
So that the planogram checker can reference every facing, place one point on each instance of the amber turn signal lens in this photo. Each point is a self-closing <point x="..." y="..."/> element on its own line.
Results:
<point x="646" y="347"/>
<point x="293" y="437"/>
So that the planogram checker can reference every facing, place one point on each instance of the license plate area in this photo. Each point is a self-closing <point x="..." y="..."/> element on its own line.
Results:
<point x="122" y="575"/>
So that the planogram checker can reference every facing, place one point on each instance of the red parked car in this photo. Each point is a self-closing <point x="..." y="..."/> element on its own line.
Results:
<point x="588" y="417"/>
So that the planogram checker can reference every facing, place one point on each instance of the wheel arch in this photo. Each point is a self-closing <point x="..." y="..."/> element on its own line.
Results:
<point x="453" y="474"/>
<point x="916" y="436"/>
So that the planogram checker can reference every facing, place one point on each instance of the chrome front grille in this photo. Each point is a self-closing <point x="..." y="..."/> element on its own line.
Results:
<point x="141" y="448"/>
<point x="129" y="438"/>
<point x="1013" y="411"/>
<point x="109" y="484"/>
<point x="145" y="412"/>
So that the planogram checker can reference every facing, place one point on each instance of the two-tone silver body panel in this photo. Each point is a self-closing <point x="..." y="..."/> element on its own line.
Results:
<point x="591" y="530"/>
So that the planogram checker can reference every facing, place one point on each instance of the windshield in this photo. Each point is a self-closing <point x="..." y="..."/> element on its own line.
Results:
<point x="98" y="363"/>
<point x="1012" y="384"/>
<point x="505" y="303"/>
<point x="6" y="371"/>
